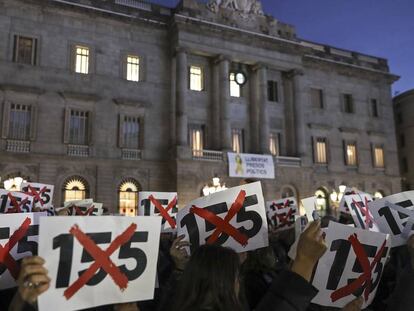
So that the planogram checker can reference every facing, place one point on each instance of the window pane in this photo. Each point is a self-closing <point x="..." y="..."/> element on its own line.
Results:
<point x="132" y="68"/>
<point x="131" y="132"/>
<point x="321" y="156"/>
<point x="196" y="78"/>
<point x="317" y="98"/>
<point x="237" y="140"/>
<point x="274" y="144"/>
<point x="272" y="91"/>
<point x="24" y="50"/>
<point x="19" y="124"/>
<point x="351" y="155"/>
<point x="197" y="140"/>
<point x="234" y="87"/>
<point x="74" y="189"/>
<point x="379" y="157"/>
<point x="78" y="128"/>
<point x="374" y="108"/>
<point x="82" y="60"/>
<point x="348" y="103"/>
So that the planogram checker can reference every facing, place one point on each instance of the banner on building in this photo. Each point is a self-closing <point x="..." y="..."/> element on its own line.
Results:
<point x="15" y="202"/>
<point x="281" y="213"/>
<point x="251" y="165"/>
<point x="351" y="267"/>
<point x="94" y="261"/>
<point x="234" y="218"/>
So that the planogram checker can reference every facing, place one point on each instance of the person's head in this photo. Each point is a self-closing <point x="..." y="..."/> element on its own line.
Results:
<point x="210" y="280"/>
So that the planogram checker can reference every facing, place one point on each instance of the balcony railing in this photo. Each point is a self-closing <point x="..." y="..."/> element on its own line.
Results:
<point x="135" y="4"/>
<point x="78" y="151"/>
<point x="288" y="161"/>
<point x="21" y="146"/>
<point x="207" y="155"/>
<point x="131" y="154"/>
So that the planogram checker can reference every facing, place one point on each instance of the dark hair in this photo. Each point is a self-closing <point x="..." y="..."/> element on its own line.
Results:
<point x="209" y="281"/>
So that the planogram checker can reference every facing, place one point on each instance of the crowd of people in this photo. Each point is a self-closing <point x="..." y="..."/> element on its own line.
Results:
<point x="216" y="278"/>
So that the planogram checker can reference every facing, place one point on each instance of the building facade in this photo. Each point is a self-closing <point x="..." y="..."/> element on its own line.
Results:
<point x="404" y="123"/>
<point x="106" y="98"/>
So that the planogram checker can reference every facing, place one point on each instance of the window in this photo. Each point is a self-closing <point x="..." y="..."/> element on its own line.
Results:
<point x="20" y="121"/>
<point x="128" y="197"/>
<point x="25" y="50"/>
<point x="197" y="140"/>
<point x="274" y="144"/>
<point x="350" y="154"/>
<point x="272" y="91"/>
<point x="321" y="151"/>
<point x="237" y="136"/>
<point x="78" y="127"/>
<point x="196" y="78"/>
<point x="322" y="203"/>
<point x="317" y="98"/>
<point x="379" y="157"/>
<point x="402" y="140"/>
<point x="234" y="87"/>
<point x="132" y="68"/>
<point x="75" y="188"/>
<point x="348" y="103"/>
<point x="130" y="132"/>
<point x="81" y="59"/>
<point x="374" y="108"/>
<point x="404" y="165"/>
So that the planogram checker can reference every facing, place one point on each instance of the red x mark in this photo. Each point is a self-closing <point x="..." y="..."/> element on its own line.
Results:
<point x="223" y="225"/>
<point x="164" y="211"/>
<point x="365" y="278"/>
<point x="101" y="258"/>
<point x="79" y="212"/>
<point x="36" y="194"/>
<point x="365" y="212"/>
<point x="284" y="220"/>
<point x="16" y="205"/>
<point x="5" y="257"/>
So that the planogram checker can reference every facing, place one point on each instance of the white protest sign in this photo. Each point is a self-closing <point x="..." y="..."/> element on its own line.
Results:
<point x="18" y="239"/>
<point x="42" y="195"/>
<point x="281" y="213"/>
<point x="234" y="218"/>
<point x="162" y="204"/>
<point x="300" y="224"/>
<point x="343" y="207"/>
<point x="358" y="207"/>
<point x="101" y="260"/>
<point x="15" y="202"/>
<point x="309" y="204"/>
<point x="351" y="267"/>
<point x="86" y="207"/>
<point x="251" y="165"/>
<point x="394" y="215"/>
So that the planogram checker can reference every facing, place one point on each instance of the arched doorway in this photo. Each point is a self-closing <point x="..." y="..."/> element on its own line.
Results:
<point x="75" y="188"/>
<point x="128" y="197"/>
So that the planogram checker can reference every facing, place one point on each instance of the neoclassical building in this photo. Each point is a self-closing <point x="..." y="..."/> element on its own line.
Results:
<point x="106" y="98"/>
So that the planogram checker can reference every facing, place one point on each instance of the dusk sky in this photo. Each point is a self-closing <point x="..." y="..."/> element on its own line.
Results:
<point x="383" y="28"/>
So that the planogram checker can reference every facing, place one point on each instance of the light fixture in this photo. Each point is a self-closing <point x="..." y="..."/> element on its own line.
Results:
<point x="213" y="187"/>
<point x="13" y="184"/>
<point x="320" y="201"/>
<point x="342" y="188"/>
<point x="334" y="196"/>
<point x="378" y="195"/>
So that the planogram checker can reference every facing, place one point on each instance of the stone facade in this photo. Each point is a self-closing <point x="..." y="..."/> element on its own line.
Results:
<point x="404" y="121"/>
<point x="168" y="41"/>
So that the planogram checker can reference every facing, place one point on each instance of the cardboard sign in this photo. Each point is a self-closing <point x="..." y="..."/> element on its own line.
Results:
<point x="95" y="261"/>
<point x="281" y="213"/>
<point x="395" y="215"/>
<point x="358" y="207"/>
<point x="15" y="202"/>
<point x="351" y="267"/>
<point x="309" y="204"/>
<point x="251" y="165"/>
<point x="234" y="218"/>
<point x="162" y="204"/>
<point x="18" y="239"/>
<point x="42" y="196"/>
<point x="343" y="207"/>
<point x="86" y="207"/>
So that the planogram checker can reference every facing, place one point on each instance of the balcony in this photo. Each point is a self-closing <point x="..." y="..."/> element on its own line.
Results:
<point x="207" y="155"/>
<point x="131" y="154"/>
<point x="288" y="161"/>
<point x="19" y="146"/>
<point x="78" y="151"/>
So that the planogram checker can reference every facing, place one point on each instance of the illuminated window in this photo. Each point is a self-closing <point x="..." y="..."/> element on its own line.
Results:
<point x="350" y="154"/>
<point x="237" y="136"/>
<point x="317" y="98"/>
<point x="132" y="68"/>
<point x="379" y="157"/>
<point x="19" y="123"/>
<point x="321" y="202"/>
<point x="274" y="143"/>
<point x="320" y="151"/>
<point x="25" y="50"/>
<point x="81" y="59"/>
<point x="128" y="198"/>
<point x="196" y="78"/>
<point x="234" y="87"/>
<point x="197" y="140"/>
<point x="130" y="132"/>
<point x="75" y="188"/>
<point x="78" y="127"/>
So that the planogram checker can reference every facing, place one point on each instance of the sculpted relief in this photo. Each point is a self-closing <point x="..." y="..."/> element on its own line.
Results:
<point x="242" y="6"/>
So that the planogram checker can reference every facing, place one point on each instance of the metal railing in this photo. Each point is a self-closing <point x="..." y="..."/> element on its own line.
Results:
<point x="137" y="4"/>
<point x="207" y="155"/>
<point x="78" y="151"/>
<point x="21" y="146"/>
<point x="131" y="154"/>
<point x="288" y="161"/>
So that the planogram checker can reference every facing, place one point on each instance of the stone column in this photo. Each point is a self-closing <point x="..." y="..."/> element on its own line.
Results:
<point x="263" y="115"/>
<point x="215" y="106"/>
<point x="225" y="125"/>
<point x="181" y="97"/>
<point x="254" y="109"/>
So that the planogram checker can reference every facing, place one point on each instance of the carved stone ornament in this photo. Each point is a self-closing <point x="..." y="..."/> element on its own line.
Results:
<point x="241" y="6"/>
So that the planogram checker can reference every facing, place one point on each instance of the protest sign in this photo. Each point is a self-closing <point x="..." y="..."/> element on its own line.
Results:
<point x="351" y="267"/>
<point x="18" y="239"/>
<point x="101" y="260"/>
<point x="162" y="204"/>
<point x="42" y="196"/>
<point x="251" y="165"/>
<point x="84" y="207"/>
<point x="15" y="202"/>
<point x="395" y="215"/>
<point x="234" y="218"/>
<point x="281" y="213"/>
<point x="343" y="207"/>
<point x="358" y="208"/>
<point x="309" y="204"/>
